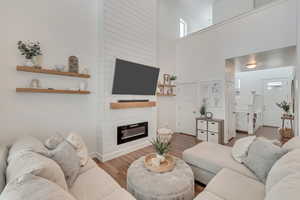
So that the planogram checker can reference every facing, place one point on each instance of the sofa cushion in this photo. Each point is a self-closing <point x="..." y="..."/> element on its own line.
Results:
<point x="3" y="165"/>
<point x="38" y="165"/>
<point x="66" y="156"/>
<point x="213" y="158"/>
<point x="24" y="145"/>
<point x="292" y="144"/>
<point x="241" y="147"/>
<point x="30" y="187"/>
<point x="231" y="185"/>
<point x="261" y="157"/>
<point x="94" y="184"/>
<point x="289" y="164"/>
<point x="288" y="188"/>
<point x="119" y="194"/>
<point x="205" y="195"/>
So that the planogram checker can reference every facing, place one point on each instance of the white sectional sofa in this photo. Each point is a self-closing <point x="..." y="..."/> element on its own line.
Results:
<point x="228" y="180"/>
<point x="27" y="159"/>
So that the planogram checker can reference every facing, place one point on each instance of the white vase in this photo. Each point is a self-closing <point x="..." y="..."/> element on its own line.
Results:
<point x="161" y="157"/>
<point x="28" y="63"/>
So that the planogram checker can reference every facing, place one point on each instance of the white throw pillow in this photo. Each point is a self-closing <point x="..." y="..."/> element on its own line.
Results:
<point x="80" y="147"/>
<point x="241" y="147"/>
<point x="24" y="145"/>
<point x="37" y="165"/>
<point x="30" y="187"/>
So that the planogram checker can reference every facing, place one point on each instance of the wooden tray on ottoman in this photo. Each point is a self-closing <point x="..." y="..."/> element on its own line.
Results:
<point x="166" y="166"/>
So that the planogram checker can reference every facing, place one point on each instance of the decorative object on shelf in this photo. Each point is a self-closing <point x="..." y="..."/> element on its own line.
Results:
<point x="73" y="64"/>
<point x="30" y="50"/>
<point x="209" y="115"/>
<point x="83" y="86"/>
<point x="60" y="68"/>
<point x="203" y="108"/>
<point x="35" y="83"/>
<point x="172" y="79"/>
<point x="152" y="163"/>
<point x="85" y="71"/>
<point x="167" y="79"/>
<point x="161" y="147"/>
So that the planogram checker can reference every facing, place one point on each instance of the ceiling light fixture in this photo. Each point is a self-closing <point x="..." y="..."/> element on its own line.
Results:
<point x="251" y="66"/>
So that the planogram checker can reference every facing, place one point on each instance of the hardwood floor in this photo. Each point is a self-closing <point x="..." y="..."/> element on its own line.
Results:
<point x="117" y="168"/>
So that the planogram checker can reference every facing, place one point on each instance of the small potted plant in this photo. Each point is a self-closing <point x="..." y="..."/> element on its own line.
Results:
<point x="161" y="148"/>
<point x="203" y="108"/>
<point x="30" y="50"/>
<point x="173" y="78"/>
<point x="285" y="106"/>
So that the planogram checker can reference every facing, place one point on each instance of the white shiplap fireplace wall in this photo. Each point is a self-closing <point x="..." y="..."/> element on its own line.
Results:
<point x="127" y="30"/>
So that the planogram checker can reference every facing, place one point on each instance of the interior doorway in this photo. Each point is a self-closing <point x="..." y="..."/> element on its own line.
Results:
<point x="261" y="81"/>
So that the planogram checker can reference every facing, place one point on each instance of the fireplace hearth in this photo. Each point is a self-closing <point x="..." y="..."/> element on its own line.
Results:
<point x="132" y="132"/>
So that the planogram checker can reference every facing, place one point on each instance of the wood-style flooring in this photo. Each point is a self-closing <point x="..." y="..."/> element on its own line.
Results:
<point x="118" y="167"/>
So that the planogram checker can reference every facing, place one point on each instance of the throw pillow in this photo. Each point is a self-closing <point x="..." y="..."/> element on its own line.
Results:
<point x="261" y="157"/>
<point x="36" y="164"/>
<point x="292" y="144"/>
<point x="241" y="147"/>
<point x="30" y="187"/>
<point x="24" y="145"/>
<point x="53" y="142"/>
<point x="80" y="147"/>
<point x="66" y="156"/>
<point x="3" y="165"/>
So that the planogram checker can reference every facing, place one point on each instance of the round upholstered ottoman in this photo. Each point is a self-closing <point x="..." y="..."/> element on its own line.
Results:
<point x="146" y="185"/>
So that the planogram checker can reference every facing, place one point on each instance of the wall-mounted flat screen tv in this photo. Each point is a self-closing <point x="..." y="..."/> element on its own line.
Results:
<point x="134" y="79"/>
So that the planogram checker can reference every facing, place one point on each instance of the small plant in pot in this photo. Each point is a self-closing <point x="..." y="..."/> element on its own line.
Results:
<point x="203" y="108"/>
<point x="161" y="148"/>
<point x="30" y="50"/>
<point x="285" y="106"/>
<point x="172" y="79"/>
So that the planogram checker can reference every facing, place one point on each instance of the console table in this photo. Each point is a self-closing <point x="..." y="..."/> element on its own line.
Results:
<point x="210" y="130"/>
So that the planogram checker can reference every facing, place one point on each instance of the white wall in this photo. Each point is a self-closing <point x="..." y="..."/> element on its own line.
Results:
<point x="259" y="3"/>
<point x="226" y="9"/>
<point x="168" y="33"/>
<point x="128" y="31"/>
<point x="64" y="29"/>
<point x="202" y="55"/>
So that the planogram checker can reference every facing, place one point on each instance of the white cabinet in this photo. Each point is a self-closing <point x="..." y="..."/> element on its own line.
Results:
<point x="210" y="130"/>
<point x="202" y="135"/>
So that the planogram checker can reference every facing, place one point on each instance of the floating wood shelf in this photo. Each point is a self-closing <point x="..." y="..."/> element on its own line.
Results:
<point x="166" y="95"/>
<point x="33" y="90"/>
<point x="52" y="72"/>
<point x="128" y="105"/>
<point x="164" y="85"/>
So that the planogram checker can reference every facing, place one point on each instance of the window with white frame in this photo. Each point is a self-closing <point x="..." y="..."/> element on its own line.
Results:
<point x="183" y="28"/>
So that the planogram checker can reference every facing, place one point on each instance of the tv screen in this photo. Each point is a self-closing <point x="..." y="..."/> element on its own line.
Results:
<point x="134" y="79"/>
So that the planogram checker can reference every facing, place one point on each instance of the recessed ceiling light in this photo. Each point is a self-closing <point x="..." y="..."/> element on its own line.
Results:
<point x="251" y="66"/>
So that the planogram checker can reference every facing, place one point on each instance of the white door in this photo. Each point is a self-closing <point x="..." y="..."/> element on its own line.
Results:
<point x="187" y="110"/>
<point x="230" y="110"/>
<point x="275" y="91"/>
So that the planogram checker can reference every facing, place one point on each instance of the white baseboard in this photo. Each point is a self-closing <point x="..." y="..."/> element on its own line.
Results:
<point x="120" y="152"/>
<point x="96" y="155"/>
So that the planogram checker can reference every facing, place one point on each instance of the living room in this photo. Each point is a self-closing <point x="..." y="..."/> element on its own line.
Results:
<point x="68" y="87"/>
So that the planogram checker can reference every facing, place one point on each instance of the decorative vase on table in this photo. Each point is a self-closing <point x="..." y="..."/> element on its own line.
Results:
<point x="161" y="147"/>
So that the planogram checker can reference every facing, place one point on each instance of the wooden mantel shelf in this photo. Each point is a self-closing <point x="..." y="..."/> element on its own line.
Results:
<point x="52" y="72"/>
<point x="53" y="91"/>
<point x="128" y="105"/>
